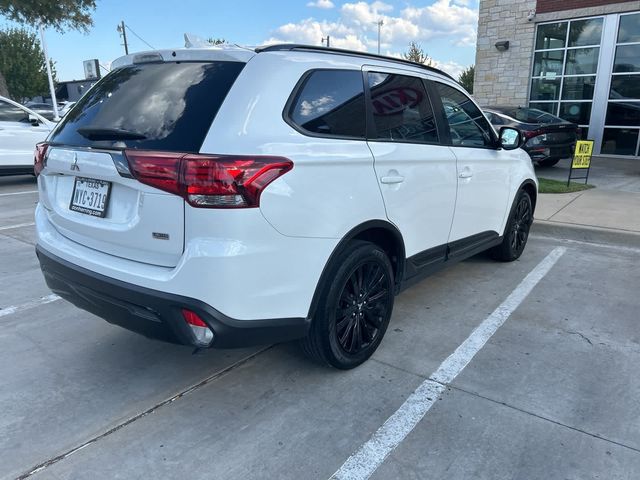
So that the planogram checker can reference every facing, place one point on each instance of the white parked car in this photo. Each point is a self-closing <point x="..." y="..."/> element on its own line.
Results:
<point x="20" y="130"/>
<point x="227" y="197"/>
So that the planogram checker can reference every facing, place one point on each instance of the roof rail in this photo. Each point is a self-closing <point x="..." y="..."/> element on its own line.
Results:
<point x="340" y="51"/>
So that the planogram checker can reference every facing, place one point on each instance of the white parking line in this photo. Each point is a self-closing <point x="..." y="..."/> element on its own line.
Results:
<point x="363" y="463"/>
<point x="25" y="306"/>
<point x="17" y="225"/>
<point x="18" y="193"/>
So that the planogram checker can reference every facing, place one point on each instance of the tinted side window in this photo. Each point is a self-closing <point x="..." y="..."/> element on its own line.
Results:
<point x="170" y="105"/>
<point x="469" y="128"/>
<point x="401" y="109"/>
<point x="331" y="102"/>
<point x="11" y="113"/>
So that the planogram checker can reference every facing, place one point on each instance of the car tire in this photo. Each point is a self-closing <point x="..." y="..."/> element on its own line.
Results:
<point x="354" y="308"/>
<point x="550" y="162"/>
<point x="516" y="233"/>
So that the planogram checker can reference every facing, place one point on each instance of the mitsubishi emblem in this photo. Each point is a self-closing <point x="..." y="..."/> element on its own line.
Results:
<point x="74" y="165"/>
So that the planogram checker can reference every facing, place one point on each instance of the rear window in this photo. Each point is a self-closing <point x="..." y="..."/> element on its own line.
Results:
<point x="530" y="115"/>
<point x="160" y="106"/>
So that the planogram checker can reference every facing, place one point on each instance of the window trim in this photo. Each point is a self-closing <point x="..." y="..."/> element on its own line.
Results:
<point x="372" y="131"/>
<point x="438" y="100"/>
<point x="297" y="90"/>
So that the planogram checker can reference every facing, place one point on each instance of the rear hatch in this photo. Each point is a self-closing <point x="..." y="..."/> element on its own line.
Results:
<point x="87" y="188"/>
<point x="553" y="134"/>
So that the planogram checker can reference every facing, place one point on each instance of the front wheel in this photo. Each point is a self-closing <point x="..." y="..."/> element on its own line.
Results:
<point x="516" y="232"/>
<point x="355" y="307"/>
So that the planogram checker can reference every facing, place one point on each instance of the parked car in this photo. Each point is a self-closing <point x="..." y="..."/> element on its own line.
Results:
<point x="229" y="197"/>
<point x="20" y="130"/>
<point x="548" y="139"/>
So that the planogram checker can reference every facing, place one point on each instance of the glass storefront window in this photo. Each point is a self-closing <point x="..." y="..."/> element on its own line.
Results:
<point x="582" y="61"/>
<point x="545" y="89"/>
<point x="625" y="86"/>
<point x="549" y="107"/>
<point x="620" y="141"/>
<point x="629" y="31"/>
<point x="627" y="59"/>
<point x="551" y="35"/>
<point x="585" y="32"/>
<point x="576" y="112"/>
<point x="623" y="113"/>
<point x="548" y="62"/>
<point x="578" y="88"/>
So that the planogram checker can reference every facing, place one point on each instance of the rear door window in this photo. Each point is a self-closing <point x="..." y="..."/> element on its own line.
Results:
<point x="330" y="103"/>
<point x="157" y="106"/>
<point x="401" y="109"/>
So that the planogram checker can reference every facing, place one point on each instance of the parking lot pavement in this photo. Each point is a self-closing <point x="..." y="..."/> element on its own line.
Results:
<point x="552" y="394"/>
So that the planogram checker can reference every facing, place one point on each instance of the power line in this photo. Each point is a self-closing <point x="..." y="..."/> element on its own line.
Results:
<point x="140" y="38"/>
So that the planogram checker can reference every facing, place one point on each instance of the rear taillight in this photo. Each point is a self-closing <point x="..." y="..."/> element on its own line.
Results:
<point x="531" y="133"/>
<point x="39" y="157"/>
<point x="210" y="181"/>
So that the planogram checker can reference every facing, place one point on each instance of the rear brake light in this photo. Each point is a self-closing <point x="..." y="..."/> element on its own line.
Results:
<point x="211" y="181"/>
<point x="532" y="133"/>
<point x="39" y="157"/>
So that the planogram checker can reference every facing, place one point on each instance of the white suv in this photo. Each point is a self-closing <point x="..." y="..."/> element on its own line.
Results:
<point x="226" y="197"/>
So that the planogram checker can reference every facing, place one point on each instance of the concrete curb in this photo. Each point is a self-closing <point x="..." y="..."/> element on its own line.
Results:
<point x="586" y="233"/>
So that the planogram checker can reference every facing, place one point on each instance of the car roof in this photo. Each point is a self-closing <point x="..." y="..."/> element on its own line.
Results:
<point x="230" y="52"/>
<point x="352" y="53"/>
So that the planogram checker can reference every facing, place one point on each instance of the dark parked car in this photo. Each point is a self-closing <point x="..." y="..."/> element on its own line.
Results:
<point x="547" y="138"/>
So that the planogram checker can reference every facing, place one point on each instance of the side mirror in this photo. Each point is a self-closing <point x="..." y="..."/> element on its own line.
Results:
<point x="510" y="138"/>
<point x="34" y="120"/>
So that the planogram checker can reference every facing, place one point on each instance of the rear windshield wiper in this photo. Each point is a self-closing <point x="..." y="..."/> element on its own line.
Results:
<point x="95" y="133"/>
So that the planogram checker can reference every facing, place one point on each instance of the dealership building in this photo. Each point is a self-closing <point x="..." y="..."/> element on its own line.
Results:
<point x="577" y="59"/>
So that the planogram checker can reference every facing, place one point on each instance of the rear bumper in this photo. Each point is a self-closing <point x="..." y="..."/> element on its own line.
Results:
<point x="550" y="152"/>
<point x="157" y="314"/>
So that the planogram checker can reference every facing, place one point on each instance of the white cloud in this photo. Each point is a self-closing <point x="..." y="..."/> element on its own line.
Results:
<point x="326" y="4"/>
<point x="356" y="28"/>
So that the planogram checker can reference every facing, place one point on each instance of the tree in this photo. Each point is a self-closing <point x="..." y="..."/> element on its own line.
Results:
<point x="417" y="55"/>
<point x="22" y="63"/>
<point x="216" y="41"/>
<point x="466" y="78"/>
<point x="58" y="14"/>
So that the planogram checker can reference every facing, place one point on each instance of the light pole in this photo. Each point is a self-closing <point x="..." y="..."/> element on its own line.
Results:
<point x="380" y="23"/>
<point x="52" y="90"/>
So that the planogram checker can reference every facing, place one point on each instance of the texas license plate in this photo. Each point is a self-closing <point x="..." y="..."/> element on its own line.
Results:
<point x="90" y="196"/>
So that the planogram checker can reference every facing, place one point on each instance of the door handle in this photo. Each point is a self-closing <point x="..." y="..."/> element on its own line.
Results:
<point x="466" y="173"/>
<point x="392" y="179"/>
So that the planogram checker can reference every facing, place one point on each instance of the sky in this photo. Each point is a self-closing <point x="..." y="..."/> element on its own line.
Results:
<point x="445" y="29"/>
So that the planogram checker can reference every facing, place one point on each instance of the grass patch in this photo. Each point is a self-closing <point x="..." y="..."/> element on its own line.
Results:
<point x="556" y="186"/>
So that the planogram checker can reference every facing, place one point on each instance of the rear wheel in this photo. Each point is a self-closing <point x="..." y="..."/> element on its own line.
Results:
<point x="549" y="162"/>
<point x="516" y="232"/>
<point x="354" y="309"/>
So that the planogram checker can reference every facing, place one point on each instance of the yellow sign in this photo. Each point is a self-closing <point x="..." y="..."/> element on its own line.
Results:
<point x="582" y="155"/>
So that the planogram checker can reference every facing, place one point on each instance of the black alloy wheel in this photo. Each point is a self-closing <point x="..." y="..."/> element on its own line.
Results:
<point x="354" y="307"/>
<point x="516" y="232"/>
<point x="362" y="307"/>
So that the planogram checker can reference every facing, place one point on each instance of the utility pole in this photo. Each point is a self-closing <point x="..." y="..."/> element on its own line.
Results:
<point x="328" y="39"/>
<point x="54" y="101"/>
<point x="380" y="23"/>
<point x="123" y="31"/>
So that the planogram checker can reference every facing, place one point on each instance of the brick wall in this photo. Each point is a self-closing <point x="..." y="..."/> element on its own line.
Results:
<point x="546" y="6"/>
<point x="502" y="78"/>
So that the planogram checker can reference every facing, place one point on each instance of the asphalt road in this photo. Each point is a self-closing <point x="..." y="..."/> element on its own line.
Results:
<point x="491" y="371"/>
